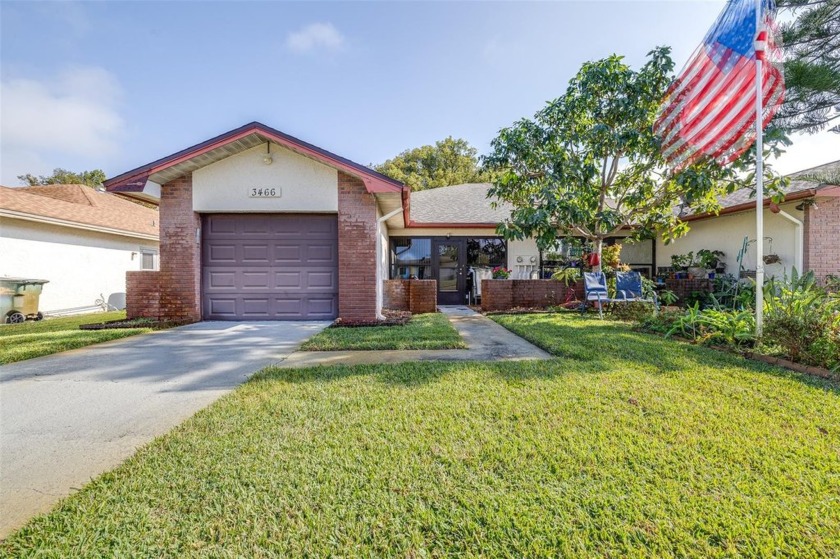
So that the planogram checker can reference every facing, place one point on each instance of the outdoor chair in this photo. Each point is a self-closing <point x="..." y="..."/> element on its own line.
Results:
<point x="628" y="287"/>
<point x="595" y="289"/>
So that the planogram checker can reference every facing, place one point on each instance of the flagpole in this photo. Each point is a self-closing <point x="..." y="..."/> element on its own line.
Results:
<point x="759" y="180"/>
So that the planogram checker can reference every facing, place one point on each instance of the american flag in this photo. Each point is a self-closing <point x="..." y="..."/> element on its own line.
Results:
<point x="709" y="110"/>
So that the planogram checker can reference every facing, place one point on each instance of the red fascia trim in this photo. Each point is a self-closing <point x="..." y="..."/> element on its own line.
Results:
<point x="129" y="182"/>
<point x="751" y="205"/>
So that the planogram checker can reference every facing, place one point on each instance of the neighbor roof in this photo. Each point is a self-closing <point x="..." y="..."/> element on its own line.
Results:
<point x="460" y="203"/>
<point x="236" y="141"/>
<point x="81" y="207"/>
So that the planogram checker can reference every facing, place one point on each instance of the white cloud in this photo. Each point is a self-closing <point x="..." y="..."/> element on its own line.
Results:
<point x="315" y="36"/>
<point x="74" y="114"/>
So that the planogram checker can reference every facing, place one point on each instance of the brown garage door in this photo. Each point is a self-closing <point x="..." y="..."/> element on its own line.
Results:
<point x="269" y="267"/>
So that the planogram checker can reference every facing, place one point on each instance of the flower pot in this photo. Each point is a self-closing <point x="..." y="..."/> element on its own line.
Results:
<point x="696" y="272"/>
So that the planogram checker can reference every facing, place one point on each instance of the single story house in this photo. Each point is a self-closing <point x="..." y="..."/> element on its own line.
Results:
<point x="82" y="241"/>
<point x="258" y="225"/>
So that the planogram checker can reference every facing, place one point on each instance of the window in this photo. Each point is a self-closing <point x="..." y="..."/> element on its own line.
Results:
<point x="148" y="260"/>
<point x="411" y="258"/>
<point x="486" y="252"/>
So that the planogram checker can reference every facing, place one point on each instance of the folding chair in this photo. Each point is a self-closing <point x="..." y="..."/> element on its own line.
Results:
<point x="595" y="289"/>
<point x="628" y="287"/>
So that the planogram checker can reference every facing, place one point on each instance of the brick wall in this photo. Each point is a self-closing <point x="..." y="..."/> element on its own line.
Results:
<point x="502" y="295"/>
<point x="422" y="296"/>
<point x="142" y="298"/>
<point x="356" y="250"/>
<point x="417" y="296"/>
<point x="180" y="253"/>
<point x="822" y="234"/>
<point x="682" y="288"/>
<point x="395" y="294"/>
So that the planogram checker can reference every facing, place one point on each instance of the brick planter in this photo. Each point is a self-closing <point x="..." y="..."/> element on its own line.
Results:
<point x="142" y="299"/>
<point x="416" y="296"/>
<point x="682" y="288"/>
<point x="502" y="295"/>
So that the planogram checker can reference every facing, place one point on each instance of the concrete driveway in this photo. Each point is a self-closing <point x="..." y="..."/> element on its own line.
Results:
<point x="68" y="417"/>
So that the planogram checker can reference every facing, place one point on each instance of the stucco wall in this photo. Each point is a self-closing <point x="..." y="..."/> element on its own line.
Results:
<point x="727" y="232"/>
<point x="305" y="185"/>
<point x="526" y="250"/>
<point x="80" y="265"/>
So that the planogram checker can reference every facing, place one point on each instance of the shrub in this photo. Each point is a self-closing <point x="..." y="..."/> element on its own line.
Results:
<point x="804" y="320"/>
<point x="632" y="311"/>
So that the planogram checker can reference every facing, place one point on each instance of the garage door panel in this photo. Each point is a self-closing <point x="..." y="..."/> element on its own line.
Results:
<point x="285" y="280"/>
<point x="255" y="254"/>
<point x="270" y="267"/>
<point x="223" y="308"/>
<point x="221" y="280"/>
<point x="255" y="280"/>
<point x="320" y="253"/>
<point x="221" y="253"/>
<point x="322" y="280"/>
<point x="288" y="254"/>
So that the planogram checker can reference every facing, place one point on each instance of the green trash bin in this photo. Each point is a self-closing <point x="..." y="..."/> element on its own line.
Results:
<point x="19" y="299"/>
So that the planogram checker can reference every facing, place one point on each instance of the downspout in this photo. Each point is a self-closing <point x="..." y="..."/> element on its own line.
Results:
<point x="800" y="239"/>
<point x="379" y="278"/>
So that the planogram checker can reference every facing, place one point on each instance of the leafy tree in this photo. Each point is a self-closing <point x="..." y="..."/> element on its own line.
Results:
<point x="811" y="46"/>
<point x="450" y="161"/>
<point x="63" y="176"/>
<point x="589" y="165"/>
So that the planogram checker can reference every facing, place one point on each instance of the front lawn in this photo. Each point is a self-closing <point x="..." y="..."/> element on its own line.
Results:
<point x="630" y="445"/>
<point x="423" y="331"/>
<point x="34" y="339"/>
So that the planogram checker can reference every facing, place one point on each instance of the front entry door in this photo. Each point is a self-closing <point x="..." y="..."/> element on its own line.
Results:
<point x="449" y="263"/>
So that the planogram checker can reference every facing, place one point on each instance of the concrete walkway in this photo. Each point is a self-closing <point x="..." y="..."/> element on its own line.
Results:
<point x="486" y="341"/>
<point x="68" y="417"/>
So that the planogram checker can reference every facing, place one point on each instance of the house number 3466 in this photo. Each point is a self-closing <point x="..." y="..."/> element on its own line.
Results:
<point x="264" y="192"/>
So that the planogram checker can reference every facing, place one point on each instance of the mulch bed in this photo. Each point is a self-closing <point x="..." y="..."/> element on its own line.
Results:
<point x="133" y="323"/>
<point x="392" y="318"/>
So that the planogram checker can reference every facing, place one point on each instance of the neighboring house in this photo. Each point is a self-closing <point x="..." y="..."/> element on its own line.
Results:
<point x="80" y="240"/>
<point x="258" y="225"/>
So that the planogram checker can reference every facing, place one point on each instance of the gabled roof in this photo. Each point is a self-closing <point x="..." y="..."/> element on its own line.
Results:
<point x="230" y="143"/>
<point x="464" y="204"/>
<point x="81" y="207"/>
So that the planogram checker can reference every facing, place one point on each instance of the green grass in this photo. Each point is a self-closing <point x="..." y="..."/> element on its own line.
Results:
<point x="629" y="445"/>
<point x="424" y="331"/>
<point x="52" y="335"/>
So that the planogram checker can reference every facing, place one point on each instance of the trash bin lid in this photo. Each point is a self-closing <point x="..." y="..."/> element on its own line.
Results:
<point x="23" y="280"/>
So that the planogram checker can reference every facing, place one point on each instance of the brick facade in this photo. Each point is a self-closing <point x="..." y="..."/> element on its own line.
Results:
<point x="142" y="299"/>
<point x="502" y="295"/>
<point x="417" y="296"/>
<point x="180" y="253"/>
<point x="356" y="250"/>
<point x="822" y="234"/>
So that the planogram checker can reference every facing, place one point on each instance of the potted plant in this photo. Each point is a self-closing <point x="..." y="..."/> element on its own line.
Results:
<point x="709" y="260"/>
<point x="500" y="272"/>
<point x="681" y="262"/>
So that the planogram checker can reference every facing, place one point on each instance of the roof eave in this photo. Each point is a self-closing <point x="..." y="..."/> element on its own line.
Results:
<point x="134" y="180"/>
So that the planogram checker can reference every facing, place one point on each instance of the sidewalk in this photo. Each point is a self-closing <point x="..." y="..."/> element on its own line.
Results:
<point x="486" y="341"/>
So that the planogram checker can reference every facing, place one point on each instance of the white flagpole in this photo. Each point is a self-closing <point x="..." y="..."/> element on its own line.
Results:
<point x="759" y="183"/>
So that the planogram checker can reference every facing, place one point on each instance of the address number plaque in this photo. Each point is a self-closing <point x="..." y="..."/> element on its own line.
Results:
<point x="264" y="192"/>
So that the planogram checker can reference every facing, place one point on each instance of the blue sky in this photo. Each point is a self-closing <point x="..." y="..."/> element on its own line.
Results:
<point x="118" y="84"/>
